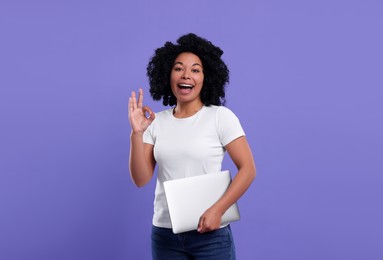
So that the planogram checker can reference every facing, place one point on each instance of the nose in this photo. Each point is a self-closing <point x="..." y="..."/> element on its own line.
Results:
<point x="185" y="75"/>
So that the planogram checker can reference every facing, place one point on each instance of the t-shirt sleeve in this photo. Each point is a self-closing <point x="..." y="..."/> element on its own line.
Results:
<point x="228" y="125"/>
<point x="148" y="135"/>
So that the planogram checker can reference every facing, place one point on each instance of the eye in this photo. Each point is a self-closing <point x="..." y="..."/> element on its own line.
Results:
<point x="177" y="69"/>
<point x="195" y="70"/>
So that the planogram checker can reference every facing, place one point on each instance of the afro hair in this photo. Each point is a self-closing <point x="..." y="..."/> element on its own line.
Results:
<point x="216" y="73"/>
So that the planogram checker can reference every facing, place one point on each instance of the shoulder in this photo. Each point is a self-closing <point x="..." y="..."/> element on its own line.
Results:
<point x="162" y="118"/>
<point x="225" y="110"/>
<point x="164" y="114"/>
<point x="223" y="116"/>
<point x="220" y="111"/>
<point x="227" y="124"/>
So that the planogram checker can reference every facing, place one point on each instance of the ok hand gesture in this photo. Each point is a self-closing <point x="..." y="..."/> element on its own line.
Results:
<point x="139" y="121"/>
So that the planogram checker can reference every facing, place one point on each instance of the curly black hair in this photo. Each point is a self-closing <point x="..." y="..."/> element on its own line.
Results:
<point x="216" y="73"/>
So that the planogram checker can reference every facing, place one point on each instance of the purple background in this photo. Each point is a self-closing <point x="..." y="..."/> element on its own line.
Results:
<point x="306" y="83"/>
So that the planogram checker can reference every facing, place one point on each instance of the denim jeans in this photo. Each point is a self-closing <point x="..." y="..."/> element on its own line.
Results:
<point x="217" y="244"/>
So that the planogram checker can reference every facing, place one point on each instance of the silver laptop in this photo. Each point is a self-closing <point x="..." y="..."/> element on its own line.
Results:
<point x="188" y="198"/>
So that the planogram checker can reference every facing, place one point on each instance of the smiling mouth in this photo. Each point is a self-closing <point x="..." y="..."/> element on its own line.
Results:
<point x="185" y="86"/>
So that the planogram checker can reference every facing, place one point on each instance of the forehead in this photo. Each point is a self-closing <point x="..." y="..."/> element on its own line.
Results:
<point x="188" y="58"/>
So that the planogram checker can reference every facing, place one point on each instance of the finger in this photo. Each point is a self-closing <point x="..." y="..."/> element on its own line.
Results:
<point x="140" y="98"/>
<point x="148" y="110"/>
<point x="200" y="225"/>
<point x="134" y="102"/>
<point x="130" y="111"/>
<point x="130" y="105"/>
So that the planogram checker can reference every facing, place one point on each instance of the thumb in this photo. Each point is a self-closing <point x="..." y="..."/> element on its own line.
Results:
<point x="200" y="224"/>
<point x="148" y="110"/>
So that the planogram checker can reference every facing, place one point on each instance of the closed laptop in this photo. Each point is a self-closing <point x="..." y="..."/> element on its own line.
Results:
<point x="188" y="198"/>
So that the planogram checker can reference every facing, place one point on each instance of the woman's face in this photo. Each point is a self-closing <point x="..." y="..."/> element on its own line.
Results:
<point x="186" y="79"/>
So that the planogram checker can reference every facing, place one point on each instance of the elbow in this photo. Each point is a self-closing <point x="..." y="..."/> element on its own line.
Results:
<point x="139" y="178"/>
<point x="252" y="173"/>
<point x="139" y="183"/>
<point x="248" y="174"/>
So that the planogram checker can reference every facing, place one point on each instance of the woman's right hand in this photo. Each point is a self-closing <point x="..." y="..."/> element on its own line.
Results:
<point x="139" y="121"/>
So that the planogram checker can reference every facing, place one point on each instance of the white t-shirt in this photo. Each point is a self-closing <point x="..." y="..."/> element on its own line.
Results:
<point x="190" y="146"/>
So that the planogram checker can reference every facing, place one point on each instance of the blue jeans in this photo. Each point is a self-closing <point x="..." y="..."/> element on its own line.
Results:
<point x="217" y="244"/>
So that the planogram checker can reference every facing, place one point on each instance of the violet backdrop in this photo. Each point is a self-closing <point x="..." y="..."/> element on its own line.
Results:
<point x="306" y="83"/>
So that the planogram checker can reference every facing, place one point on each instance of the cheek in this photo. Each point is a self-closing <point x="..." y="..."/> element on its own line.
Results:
<point x="171" y="77"/>
<point x="172" y="80"/>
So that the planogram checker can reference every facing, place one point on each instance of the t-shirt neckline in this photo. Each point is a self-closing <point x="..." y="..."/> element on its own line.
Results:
<point x="185" y="118"/>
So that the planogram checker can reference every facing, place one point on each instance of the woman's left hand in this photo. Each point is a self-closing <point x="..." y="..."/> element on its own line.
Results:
<point x="210" y="220"/>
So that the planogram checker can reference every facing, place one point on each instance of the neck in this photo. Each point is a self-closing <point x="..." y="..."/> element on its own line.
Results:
<point x="183" y="110"/>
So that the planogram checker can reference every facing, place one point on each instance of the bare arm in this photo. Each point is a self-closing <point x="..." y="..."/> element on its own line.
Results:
<point x="141" y="158"/>
<point x="240" y="152"/>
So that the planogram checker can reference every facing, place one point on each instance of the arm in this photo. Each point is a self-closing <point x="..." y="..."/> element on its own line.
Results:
<point x="240" y="152"/>
<point x="141" y="159"/>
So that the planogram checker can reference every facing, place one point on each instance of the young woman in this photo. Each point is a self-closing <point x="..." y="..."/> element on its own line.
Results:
<point x="189" y="138"/>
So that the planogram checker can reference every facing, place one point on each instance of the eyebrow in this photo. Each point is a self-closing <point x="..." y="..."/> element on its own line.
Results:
<point x="178" y="62"/>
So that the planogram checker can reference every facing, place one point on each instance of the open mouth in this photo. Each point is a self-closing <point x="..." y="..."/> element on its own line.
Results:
<point x="185" y="86"/>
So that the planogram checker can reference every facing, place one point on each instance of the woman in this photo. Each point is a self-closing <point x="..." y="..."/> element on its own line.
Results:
<point x="189" y="138"/>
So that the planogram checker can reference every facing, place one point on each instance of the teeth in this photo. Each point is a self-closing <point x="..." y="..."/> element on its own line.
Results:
<point x="185" y="85"/>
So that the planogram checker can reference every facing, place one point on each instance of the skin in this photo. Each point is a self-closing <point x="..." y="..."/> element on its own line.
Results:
<point x="187" y="69"/>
